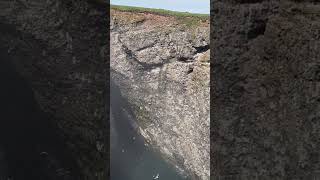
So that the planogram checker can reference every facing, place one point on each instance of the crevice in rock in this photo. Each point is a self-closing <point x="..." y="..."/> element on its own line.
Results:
<point x="256" y="29"/>
<point x="131" y="55"/>
<point x="183" y="59"/>
<point x="201" y="49"/>
<point x="146" y="47"/>
<point x="190" y="70"/>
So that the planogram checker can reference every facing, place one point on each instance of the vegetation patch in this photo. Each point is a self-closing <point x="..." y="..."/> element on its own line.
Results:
<point x="186" y="18"/>
<point x="126" y="18"/>
<point x="142" y="116"/>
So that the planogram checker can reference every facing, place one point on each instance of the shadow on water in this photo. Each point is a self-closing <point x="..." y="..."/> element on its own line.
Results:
<point x="30" y="146"/>
<point x="130" y="158"/>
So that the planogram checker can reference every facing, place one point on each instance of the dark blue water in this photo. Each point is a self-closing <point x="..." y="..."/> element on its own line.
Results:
<point x="130" y="158"/>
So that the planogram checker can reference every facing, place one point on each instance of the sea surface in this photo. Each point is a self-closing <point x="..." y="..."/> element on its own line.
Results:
<point x="131" y="159"/>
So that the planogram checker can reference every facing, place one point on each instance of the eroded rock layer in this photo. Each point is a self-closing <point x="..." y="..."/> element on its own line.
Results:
<point x="161" y="64"/>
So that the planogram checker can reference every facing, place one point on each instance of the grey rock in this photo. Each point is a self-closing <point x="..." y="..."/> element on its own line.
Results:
<point x="265" y="115"/>
<point x="165" y="78"/>
<point x="59" y="49"/>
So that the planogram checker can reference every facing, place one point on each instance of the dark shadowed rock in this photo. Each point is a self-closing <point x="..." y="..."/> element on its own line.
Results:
<point x="60" y="49"/>
<point x="265" y="118"/>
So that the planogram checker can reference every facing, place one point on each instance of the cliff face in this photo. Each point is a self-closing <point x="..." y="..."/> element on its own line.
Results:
<point x="266" y="64"/>
<point x="59" y="47"/>
<point x="161" y="65"/>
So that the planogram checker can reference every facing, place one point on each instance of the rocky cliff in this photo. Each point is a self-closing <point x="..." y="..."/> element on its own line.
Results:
<point x="266" y="64"/>
<point x="161" y="65"/>
<point x="59" y="48"/>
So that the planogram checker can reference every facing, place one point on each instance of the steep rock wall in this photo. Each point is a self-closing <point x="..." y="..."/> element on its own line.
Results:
<point x="265" y="115"/>
<point x="162" y="67"/>
<point x="59" y="47"/>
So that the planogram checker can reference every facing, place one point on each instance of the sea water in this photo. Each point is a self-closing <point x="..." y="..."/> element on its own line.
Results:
<point x="131" y="158"/>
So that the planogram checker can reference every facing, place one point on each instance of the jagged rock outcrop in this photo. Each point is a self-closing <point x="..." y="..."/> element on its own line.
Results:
<point x="161" y="66"/>
<point x="266" y="64"/>
<point x="60" y="48"/>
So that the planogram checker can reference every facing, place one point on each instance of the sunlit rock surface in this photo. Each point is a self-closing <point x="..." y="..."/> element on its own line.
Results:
<point x="161" y="65"/>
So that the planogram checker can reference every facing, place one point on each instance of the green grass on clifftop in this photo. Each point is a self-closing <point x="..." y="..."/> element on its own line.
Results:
<point x="157" y="11"/>
<point x="185" y="17"/>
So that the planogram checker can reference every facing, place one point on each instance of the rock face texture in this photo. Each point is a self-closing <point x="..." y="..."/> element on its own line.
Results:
<point x="59" y="47"/>
<point x="266" y="63"/>
<point x="161" y="66"/>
